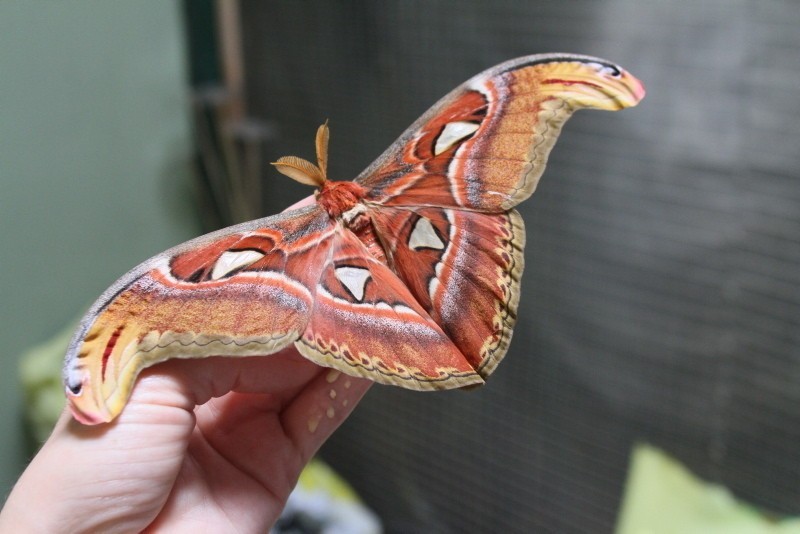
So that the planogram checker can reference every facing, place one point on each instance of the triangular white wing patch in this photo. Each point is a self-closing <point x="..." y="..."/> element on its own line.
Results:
<point x="230" y="260"/>
<point x="424" y="236"/>
<point x="354" y="279"/>
<point x="452" y="133"/>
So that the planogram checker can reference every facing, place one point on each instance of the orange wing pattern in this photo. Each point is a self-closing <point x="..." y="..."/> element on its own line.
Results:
<point x="242" y="291"/>
<point x="410" y="275"/>
<point x="484" y="146"/>
<point x="464" y="268"/>
<point x="366" y="322"/>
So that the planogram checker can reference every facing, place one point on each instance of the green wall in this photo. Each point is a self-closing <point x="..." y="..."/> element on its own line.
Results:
<point x="94" y="145"/>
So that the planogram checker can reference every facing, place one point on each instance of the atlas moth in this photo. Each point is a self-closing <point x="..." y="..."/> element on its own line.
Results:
<point x="408" y="275"/>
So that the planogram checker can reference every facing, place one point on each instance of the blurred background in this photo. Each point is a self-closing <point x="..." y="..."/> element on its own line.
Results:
<point x="661" y="298"/>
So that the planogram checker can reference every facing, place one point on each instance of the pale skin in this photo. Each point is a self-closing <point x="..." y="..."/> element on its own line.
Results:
<point x="213" y="445"/>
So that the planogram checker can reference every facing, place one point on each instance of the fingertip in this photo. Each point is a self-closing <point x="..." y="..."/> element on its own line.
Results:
<point x="321" y="408"/>
<point x="307" y="201"/>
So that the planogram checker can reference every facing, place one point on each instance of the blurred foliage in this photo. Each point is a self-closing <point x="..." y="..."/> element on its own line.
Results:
<point x="663" y="497"/>
<point x="40" y="376"/>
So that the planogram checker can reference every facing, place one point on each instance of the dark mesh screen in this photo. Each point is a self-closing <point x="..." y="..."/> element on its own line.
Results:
<point x="661" y="299"/>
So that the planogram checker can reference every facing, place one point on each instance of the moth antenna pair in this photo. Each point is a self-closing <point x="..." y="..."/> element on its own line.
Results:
<point x="303" y="170"/>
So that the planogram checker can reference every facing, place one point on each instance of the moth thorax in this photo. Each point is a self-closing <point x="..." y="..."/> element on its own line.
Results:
<point x="339" y="197"/>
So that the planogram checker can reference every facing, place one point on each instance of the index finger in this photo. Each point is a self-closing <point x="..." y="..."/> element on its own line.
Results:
<point x="307" y="201"/>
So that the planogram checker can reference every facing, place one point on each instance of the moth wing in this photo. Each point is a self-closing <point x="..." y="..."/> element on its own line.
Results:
<point x="240" y="291"/>
<point x="367" y="323"/>
<point x="484" y="146"/>
<point x="464" y="268"/>
<point x="441" y="197"/>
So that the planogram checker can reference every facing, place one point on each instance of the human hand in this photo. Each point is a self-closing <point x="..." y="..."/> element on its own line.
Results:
<point x="211" y="445"/>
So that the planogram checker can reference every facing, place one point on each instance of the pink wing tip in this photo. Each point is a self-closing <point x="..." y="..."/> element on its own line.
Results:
<point x="639" y="90"/>
<point x="85" y="415"/>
